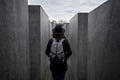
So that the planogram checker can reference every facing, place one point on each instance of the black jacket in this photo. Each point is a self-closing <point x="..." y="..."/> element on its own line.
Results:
<point x="67" y="51"/>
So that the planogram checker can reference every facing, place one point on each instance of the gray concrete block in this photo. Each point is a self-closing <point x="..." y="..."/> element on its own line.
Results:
<point x="98" y="26"/>
<point x="66" y="27"/>
<point x="73" y="38"/>
<point x="34" y="42"/>
<point x="114" y="40"/>
<point x="39" y="35"/>
<point x="103" y="39"/>
<point x="14" y="60"/>
<point x="82" y="45"/>
<point x="78" y="39"/>
<point x="44" y="20"/>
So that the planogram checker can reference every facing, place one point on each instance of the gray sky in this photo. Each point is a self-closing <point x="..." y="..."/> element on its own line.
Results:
<point x="66" y="9"/>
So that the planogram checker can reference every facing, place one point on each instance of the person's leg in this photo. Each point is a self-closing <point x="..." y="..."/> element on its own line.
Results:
<point x="58" y="75"/>
<point x="55" y="76"/>
<point x="62" y="75"/>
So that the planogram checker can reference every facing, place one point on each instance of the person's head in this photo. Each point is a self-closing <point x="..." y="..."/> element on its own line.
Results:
<point x="58" y="31"/>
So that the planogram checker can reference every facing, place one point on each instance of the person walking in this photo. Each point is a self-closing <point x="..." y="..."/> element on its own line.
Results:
<point x="58" y="50"/>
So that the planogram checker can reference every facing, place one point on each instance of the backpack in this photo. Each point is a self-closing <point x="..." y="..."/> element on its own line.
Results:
<point x="57" y="51"/>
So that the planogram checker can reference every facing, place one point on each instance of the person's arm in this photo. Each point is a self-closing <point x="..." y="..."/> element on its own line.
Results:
<point x="67" y="49"/>
<point x="48" y="49"/>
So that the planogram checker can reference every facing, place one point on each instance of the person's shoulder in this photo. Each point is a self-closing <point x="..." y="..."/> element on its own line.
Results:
<point x="50" y="40"/>
<point x="65" y="41"/>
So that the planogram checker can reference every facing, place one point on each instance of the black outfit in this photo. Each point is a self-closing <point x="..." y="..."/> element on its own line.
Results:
<point x="59" y="68"/>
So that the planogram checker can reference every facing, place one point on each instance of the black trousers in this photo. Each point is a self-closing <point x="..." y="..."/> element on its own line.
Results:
<point x="58" y="75"/>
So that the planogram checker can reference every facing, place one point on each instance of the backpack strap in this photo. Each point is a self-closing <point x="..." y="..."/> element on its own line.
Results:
<point x="62" y="40"/>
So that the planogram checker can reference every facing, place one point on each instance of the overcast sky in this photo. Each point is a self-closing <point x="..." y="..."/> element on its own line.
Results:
<point x="66" y="9"/>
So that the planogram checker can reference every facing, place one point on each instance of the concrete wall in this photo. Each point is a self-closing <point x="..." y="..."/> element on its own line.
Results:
<point x="82" y="45"/>
<point x="78" y="40"/>
<point x="104" y="42"/>
<point x="44" y="28"/>
<point x="14" y="40"/>
<point x="39" y="35"/>
<point x="73" y="38"/>
<point x="34" y="42"/>
<point x="114" y="40"/>
<point x="66" y="27"/>
<point x="50" y="29"/>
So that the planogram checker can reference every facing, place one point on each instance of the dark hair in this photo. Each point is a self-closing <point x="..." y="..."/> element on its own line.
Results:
<point x="58" y="36"/>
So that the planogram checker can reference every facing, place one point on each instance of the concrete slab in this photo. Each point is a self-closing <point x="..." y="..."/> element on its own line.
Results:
<point x="66" y="27"/>
<point x="14" y="60"/>
<point x="103" y="38"/>
<point x="39" y="33"/>
<point x="78" y="39"/>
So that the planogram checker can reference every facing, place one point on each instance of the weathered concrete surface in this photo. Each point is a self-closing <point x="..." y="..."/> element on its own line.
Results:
<point x="44" y="28"/>
<point x="104" y="42"/>
<point x="97" y="34"/>
<point x="78" y="39"/>
<point x="34" y="42"/>
<point x="82" y="45"/>
<point x="50" y="29"/>
<point x="14" y="40"/>
<point x="73" y="32"/>
<point x="39" y="35"/>
<point x="66" y="27"/>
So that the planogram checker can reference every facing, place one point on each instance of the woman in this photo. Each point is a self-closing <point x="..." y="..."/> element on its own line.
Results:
<point x="58" y="50"/>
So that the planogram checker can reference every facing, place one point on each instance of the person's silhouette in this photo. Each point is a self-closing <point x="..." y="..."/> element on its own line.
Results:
<point x="58" y="50"/>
